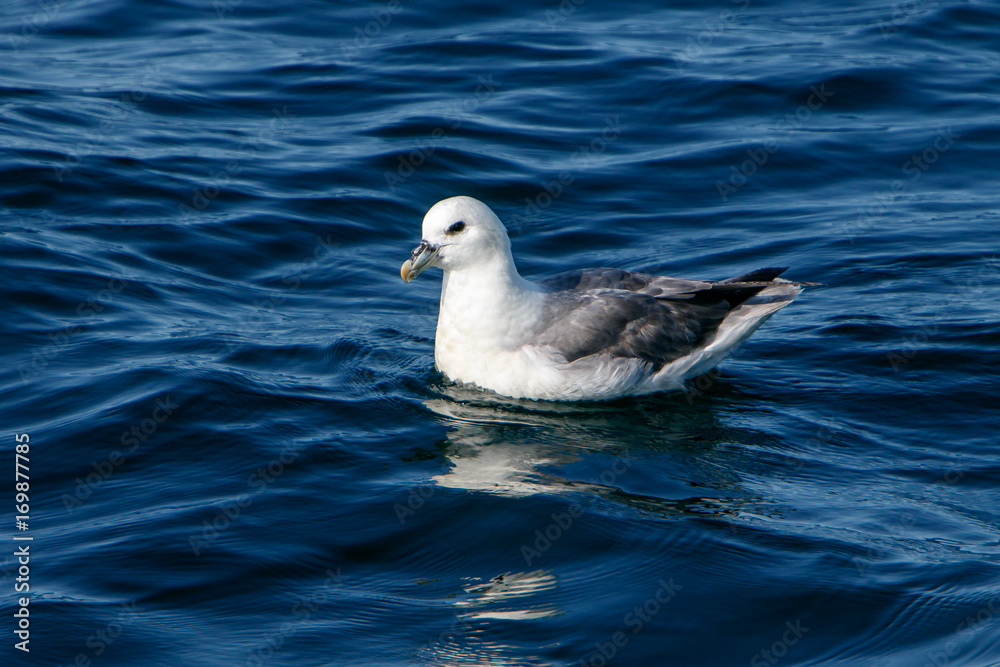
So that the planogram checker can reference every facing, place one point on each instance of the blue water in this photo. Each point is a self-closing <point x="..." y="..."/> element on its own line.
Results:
<point x="241" y="454"/>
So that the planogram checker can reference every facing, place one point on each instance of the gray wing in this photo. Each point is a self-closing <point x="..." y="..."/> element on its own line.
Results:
<point x="635" y="315"/>
<point x="643" y="283"/>
<point x="625" y="324"/>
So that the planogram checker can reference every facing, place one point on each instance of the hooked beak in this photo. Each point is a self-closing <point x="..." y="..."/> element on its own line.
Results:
<point x="421" y="257"/>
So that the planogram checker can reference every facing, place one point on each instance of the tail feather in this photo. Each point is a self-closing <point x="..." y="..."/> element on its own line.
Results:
<point x="738" y="325"/>
<point x="737" y="290"/>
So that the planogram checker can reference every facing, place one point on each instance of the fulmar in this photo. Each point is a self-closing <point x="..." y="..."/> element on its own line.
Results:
<point x="590" y="334"/>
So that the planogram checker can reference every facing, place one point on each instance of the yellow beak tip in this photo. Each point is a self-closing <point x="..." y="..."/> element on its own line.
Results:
<point x="404" y="271"/>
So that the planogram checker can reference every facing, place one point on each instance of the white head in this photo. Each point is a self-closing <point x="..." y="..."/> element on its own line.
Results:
<point x="458" y="233"/>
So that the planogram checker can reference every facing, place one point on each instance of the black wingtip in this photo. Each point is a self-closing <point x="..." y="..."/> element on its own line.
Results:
<point x="760" y="275"/>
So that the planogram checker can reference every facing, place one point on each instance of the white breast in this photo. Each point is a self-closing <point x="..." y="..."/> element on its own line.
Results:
<point x="484" y="321"/>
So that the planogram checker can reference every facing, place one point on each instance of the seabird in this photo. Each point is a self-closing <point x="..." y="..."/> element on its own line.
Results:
<point x="590" y="334"/>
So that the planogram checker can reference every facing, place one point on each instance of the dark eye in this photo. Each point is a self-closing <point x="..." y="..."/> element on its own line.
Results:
<point x="455" y="228"/>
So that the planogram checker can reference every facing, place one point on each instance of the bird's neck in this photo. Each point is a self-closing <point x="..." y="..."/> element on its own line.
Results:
<point x="497" y="277"/>
<point x="486" y="300"/>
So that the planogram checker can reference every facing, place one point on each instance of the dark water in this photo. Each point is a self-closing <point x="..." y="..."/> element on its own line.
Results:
<point x="240" y="453"/>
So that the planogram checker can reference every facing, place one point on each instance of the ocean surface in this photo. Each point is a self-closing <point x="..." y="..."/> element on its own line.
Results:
<point x="239" y="452"/>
